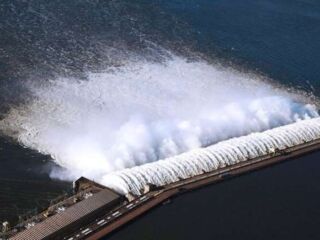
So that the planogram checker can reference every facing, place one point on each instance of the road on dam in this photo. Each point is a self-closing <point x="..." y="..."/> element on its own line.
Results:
<point x="124" y="214"/>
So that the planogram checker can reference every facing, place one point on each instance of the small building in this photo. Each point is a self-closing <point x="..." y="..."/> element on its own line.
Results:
<point x="90" y="201"/>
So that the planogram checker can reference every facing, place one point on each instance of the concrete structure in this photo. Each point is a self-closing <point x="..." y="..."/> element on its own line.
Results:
<point x="95" y="211"/>
<point x="90" y="202"/>
<point x="126" y="213"/>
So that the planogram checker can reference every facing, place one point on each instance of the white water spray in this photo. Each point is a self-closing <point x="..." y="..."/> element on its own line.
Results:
<point x="142" y="112"/>
<point x="222" y="154"/>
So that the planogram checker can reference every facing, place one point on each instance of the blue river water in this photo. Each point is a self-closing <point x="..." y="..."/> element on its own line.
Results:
<point x="278" y="39"/>
<point x="279" y="202"/>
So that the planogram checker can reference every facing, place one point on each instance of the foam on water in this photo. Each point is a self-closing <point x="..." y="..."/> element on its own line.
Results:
<point x="219" y="155"/>
<point x="144" y="111"/>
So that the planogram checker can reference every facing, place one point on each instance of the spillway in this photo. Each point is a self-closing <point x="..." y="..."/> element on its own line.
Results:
<point x="222" y="154"/>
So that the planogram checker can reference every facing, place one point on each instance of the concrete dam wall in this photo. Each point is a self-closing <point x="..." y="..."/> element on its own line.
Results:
<point x="222" y="154"/>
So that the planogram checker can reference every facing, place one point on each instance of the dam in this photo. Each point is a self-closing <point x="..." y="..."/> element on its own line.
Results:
<point x="128" y="193"/>
<point x="217" y="156"/>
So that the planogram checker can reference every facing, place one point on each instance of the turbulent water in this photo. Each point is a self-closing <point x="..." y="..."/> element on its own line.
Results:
<point x="142" y="112"/>
<point x="103" y="86"/>
<point x="217" y="156"/>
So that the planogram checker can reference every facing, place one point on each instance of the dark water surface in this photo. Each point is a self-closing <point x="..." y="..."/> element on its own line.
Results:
<point x="25" y="184"/>
<point x="279" y="202"/>
<point x="279" y="38"/>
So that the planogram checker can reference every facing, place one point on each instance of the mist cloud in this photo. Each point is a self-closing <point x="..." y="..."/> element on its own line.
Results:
<point x="142" y="112"/>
